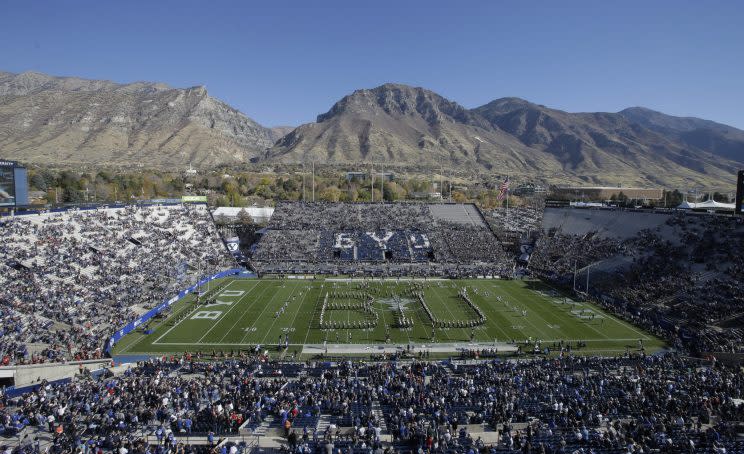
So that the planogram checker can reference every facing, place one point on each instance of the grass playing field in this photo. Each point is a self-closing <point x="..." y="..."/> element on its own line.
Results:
<point x="238" y="313"/>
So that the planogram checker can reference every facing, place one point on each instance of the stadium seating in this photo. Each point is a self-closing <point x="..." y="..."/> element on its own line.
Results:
<point x="70" y="279"/>
<point x="374" y="236"/>
<point x="635" y="403"/>
<point x="681" y="279"/>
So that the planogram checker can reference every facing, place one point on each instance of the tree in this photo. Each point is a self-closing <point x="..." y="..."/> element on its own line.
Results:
<point x="673" y="198"/>
<point x="38" y="182"/>
<point x="236" y="200"/>
<point x="222" y="201"/>
<point x="459" y="197"/>
<point x="392" y="191"/>
<point x="331" y="194"/>
<point x="244" y="217"/>
<point x="72" y="195"/>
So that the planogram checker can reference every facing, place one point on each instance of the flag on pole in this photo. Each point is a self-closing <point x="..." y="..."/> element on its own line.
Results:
<point x="504" y="188"/>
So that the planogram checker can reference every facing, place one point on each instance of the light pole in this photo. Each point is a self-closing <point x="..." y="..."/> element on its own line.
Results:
<point x="574" y="279"/>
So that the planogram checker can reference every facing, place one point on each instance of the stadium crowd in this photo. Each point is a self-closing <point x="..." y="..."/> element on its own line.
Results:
<point x="682" y="280"/>
<point x="68" y="280"/>
<point x="629" y="404"/>
<point x="420" y="239"/>
<point x="521" y="220"/>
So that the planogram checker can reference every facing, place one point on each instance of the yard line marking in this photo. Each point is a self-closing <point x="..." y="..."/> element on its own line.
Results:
<point x="157" y="341"/>
<point x="224" y="314"/>
<point x="527" y="318"/>
<point x="157" y="326"/>
<point x="548" y="318"/>
<point x="260" y="314"/>
<point x="302" y="302"/>
<point x="246" y="311"/>
<point x="612" y="317"/>
<point x="405" y="330"/>
<point x="630" y="339"/>
<point x="312" y="316"/>
<point x="297" y="284"/>
<point x="491" y="321"/>
<point x="444" y="303"/>
<point x="252" y="329"/>
<point x="534" y="312"/>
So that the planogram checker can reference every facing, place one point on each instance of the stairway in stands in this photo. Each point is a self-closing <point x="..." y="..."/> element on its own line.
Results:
<point x="264" y="426"/>
<point x="377" y="412"/>
<point x="323" y="422"/>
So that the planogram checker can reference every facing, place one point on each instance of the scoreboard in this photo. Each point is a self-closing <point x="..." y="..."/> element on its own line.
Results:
<point x="740" y="193"/>
<point x="13" y="185"/>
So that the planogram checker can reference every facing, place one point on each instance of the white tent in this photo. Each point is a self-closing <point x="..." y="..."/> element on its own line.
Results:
<point x="707" y="205"/>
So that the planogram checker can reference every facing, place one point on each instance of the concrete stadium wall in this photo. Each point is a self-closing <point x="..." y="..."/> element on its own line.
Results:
<point x="32" y="374"/>
<point x="608" y="223"/>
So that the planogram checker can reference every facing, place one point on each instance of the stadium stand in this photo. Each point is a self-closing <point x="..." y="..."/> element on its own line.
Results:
<point x="520" y="220"/>
<point x="69" y="279"/>
<point x="380" y="239"/>
<point x="630" y="404"/>
<point x="676" y="274"/>
<point x="612" y="223"/>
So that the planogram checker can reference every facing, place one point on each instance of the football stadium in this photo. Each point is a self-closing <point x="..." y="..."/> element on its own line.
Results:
<point x="361" y="326"/>
<point x="389" y="227"/>
<point x="380" y="278"/>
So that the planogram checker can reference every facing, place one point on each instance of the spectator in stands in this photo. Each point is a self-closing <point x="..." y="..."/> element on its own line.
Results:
<point x="68" y="280"/>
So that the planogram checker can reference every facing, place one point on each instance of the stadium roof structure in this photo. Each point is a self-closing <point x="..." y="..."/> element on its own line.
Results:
<point x="707" y="205"/>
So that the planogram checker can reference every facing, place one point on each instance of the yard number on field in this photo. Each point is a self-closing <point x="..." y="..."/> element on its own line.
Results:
<point x="225" y="298"/>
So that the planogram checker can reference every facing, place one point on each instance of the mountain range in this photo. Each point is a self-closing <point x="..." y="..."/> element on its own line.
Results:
<point x="46" y="119"/>
<point x="66" y="120"/>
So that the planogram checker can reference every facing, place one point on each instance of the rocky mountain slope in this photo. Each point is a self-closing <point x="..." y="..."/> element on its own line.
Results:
<point x="611" y="147"/>
<point x="402" y="124"/>
<point x="66" y="120"/>
<point x="708" y="135"/>
<point x="46" y="119"/>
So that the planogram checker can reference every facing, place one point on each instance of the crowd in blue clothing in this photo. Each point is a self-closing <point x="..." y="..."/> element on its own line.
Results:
<point x="380" y="238"/>
<point x="626" y="404"/>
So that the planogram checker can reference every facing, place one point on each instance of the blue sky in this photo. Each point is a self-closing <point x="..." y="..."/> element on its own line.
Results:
<point x="283" y="62"/>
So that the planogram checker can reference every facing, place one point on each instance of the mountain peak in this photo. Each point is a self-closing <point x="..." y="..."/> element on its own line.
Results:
<point x="639" y="109"/>
<point x="507" y="104"/>
<point x="27" y="82"/>
<point x="398" y="101"/>
<point x="74" y="120"/>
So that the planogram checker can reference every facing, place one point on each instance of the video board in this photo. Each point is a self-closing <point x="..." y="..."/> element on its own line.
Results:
<point x="7" y="184"/>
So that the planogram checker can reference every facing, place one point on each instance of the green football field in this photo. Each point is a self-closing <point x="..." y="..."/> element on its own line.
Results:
<point x="238" y="314"/>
